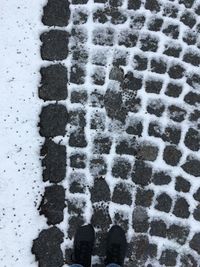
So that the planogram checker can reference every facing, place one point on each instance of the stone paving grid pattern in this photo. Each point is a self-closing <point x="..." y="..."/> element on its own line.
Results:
<point x="133" y="127"/>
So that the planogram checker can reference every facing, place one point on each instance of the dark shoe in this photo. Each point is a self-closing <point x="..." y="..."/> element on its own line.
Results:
<point x="116" y="246"/>
<point x="83" y="245"/>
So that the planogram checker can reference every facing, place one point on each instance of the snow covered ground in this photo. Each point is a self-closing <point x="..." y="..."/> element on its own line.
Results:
<point x="128" y="118"/>
<point x="20" y="170"/>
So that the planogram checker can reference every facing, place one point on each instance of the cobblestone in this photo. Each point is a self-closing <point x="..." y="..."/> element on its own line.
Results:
<point x="53" y="120"/>
<point x="158" y="228"/>
<point x="144" y="197"/>
<point x="188" y="260"/>
<point x="194" y="243"/>
<point x="53" y="204"/>
<point x="192" y="139"/>
<point x="53" y="83"/>
<point x="126" y="125"/>
<point x="121" y="168"/>
<point x="164" y="202"/>
<point x="140" y="220"/>
<point x="54" y="161"/>
<point x="77" y="183"/>
<point x="181" y="208"/>
<point x="56" y="13"/>
<point x="100" y="191"/>
<point x="122" y="194"/>
<point x="142" y="173"/>
<point x="161" y="178"/>
<point x="192" y="166"/>
<point x="182" y="185"/>
<point x="168" y="257"/>
<point x="54" y="45"/>
<point x="47" y="248"/>
<point x="178" y="233"/>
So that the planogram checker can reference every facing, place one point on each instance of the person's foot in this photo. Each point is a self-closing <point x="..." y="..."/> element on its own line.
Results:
<point x="116" y="246"/>
<point x="83" y="245"/>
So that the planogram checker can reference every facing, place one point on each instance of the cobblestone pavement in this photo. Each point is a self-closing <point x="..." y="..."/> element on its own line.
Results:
<point x="121" y="119"/>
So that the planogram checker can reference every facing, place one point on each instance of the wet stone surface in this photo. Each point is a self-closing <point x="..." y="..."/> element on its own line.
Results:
<point x="197" y="195"/>
<point x="114" y="105"/>
<point x="161" y="178"/>
<point x="172" y="134"/>
<point x="53" y="204"/>
<point x="147" y="152"/>
<point x="101" y="218"/>
<point x="126" y="146"/>
<point x="140" y="221"/>
<point x="192" y="98"/>
<point x="156" y="107"/>
<point x="181" y="208"/>
<point x="122" y="194"/>
<point x="127" y="110"/>
<point x="121" y="219"/>
<point x="144" y="197"/>
<point x="75" y="206"/>
<point x="79" y="96"/>
<point x="54" y="161"/>
<point x="173" y="90"/>
<point x="178" y="233"/>
<point x="102" y="145"/>
<point x="53" y="83"/>
<point x="182" y="185"/>
<point x="140" y="250"/>
<point x="134" y="127"/>
<point x="176" y="113"/>
<point x="77" y="74"/>
<point x="172" y="50"/>
<point x="77" y="138"/>
<point x="54" y="45"/>
<point x="98" y="167"/>
<point x="77" y="118"/>
<point x="158" y="228"/>
<point x="153" y="86"/>
<point x="192" y="166"/>
<point x="56" y="13"/>
<point x="78" y="161"/>
<point x="77" y="187"/>
<point x="155" y="24"/>
<point x="53" y="120"/>
<point x="74" y="223"/>
<point x="188" y="260"/>
<point x="142" y="173"/>
<point x="100" y="191"/>
<point x="194" y="243"/>
<point x="121" y="168"/>
<point x="171" y="155"/>
<point x="163" y="202"/>
<point x="168" y="257"/>
<point x="149" y="43"/>
<point x="47" y="248"/>
<point x="192" y="139"/>
<point x="196" y="213"/>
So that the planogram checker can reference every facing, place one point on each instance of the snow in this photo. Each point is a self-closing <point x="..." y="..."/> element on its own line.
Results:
<point x="21" y="183"/>
<point x="20" y="171"/>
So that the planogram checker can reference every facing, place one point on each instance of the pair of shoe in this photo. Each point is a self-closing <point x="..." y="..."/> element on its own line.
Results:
<point x="84" y="242"/>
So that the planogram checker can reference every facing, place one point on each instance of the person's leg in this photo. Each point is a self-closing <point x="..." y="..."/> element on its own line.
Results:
<point x="116" y="246"/>
<point x="83" y="246"/>
<point x="109" y="265"/>
<point x="113" y="265"/>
